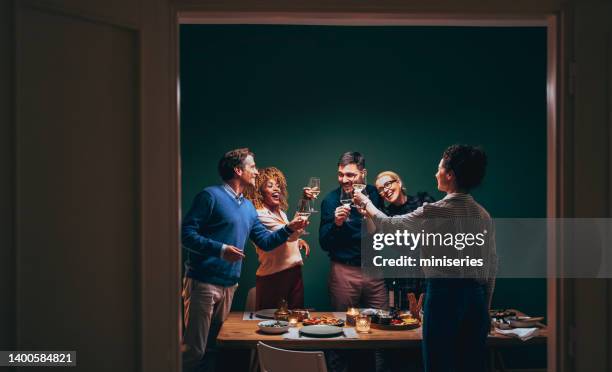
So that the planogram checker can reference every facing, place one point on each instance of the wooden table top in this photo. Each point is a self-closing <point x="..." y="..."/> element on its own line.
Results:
<point x="243" y="334"/>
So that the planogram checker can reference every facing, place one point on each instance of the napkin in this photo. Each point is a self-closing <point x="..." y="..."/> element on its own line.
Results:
<point x="523" y="334"/>
<point x="294" y="334"/>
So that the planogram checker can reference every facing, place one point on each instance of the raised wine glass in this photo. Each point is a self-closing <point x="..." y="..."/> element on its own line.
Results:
<point x="315" y="188"/>
<point x="346" y="199"/>
<point x="360" y="186"/>
<point x="304" y="210"/>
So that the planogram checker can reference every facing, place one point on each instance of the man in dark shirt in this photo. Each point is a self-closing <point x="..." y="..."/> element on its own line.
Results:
<point x="340" y="236"/>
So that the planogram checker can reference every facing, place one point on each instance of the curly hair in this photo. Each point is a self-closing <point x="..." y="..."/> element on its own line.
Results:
<point x="255" y="194"/>
<point x="468" y="163"/>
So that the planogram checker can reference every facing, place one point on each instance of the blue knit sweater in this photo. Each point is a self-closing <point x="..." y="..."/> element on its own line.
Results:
<point x="216" y="218"/>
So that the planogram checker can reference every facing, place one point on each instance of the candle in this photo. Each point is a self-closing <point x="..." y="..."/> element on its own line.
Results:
<point x="293" y="321"/>
<point x="362" y="324"/>
<point x="351" y="314"/>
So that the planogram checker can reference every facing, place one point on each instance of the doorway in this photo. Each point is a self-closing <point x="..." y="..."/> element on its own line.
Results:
<point x="322" y="20"/>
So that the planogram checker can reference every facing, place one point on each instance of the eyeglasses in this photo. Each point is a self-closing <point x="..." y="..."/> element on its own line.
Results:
<point x="386" y="186"/>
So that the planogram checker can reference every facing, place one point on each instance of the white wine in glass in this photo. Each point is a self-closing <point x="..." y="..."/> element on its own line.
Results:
<point x="359" y="187"/>
<point x="303" y="215"/>
<point x="315" y="188"/>
<point x="346" y="199"/>
<point x="304" y="210"/>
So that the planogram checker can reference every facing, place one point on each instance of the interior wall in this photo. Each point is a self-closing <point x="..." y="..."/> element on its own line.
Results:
<point x="7" y="258"/>
<point x="300" y="96"/>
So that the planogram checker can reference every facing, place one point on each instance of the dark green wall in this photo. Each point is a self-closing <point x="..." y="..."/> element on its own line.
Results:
<point x="298" y="96"/>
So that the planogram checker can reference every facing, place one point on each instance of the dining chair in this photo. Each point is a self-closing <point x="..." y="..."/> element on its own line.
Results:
<point x="272" y="359"/>
<point x="250" y="301"/>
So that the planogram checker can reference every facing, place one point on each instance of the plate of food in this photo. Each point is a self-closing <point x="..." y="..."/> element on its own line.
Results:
<point x="499" y="314"/>
<point x="398" y="324"/>
<point x="321" y="330"/>
<point x="525" y="321"/>
<point x="324" y="320"/>
<point x="273" y="327"/>
<point x="394" y="321"/>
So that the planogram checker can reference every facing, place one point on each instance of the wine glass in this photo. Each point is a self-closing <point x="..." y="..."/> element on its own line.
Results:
<point x="346" y="198"/>
<point x="315" y="188"/>
<point x="361" y="207"/>
<point x="360" y="186"/>
<point x="304" y="210"/>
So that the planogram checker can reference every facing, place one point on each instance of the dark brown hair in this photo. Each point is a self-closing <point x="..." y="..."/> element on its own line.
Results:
<point x="229" y="161"/>
<point x="352" y="157"/>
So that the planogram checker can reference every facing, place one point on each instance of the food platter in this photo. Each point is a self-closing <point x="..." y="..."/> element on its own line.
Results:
<point x="525" y="321"/>
<point x="394" y="321"/>
<point x="324" y="320"/>
<point x="405" y="324"/>
<point x="507" y="319"/>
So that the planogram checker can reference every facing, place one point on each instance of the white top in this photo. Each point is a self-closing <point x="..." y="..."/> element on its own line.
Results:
<point x="280" y="258"/>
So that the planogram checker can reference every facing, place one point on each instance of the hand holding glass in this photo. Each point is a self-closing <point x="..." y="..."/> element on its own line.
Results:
<point x="304" y="210"/>
<point x="346" y="199"/>
<point x="314" y="189"/>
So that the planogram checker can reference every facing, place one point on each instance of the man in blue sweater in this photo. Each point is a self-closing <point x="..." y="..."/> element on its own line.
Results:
<point x="214" y="233"/>
<point x="340" y="236"/>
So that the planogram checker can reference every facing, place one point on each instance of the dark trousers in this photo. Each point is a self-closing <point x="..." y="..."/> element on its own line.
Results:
<point x="455" y="327"/>
<point x="287" y="284"/>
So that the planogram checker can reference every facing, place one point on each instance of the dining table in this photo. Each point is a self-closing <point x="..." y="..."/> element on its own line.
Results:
<point x="240" y="332"/>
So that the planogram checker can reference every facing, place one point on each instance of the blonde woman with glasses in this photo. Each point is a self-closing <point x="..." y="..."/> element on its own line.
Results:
<point x="391" y="188"/>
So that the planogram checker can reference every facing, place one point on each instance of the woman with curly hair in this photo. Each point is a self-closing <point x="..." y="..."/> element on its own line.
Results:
<point x="279" y="275"/>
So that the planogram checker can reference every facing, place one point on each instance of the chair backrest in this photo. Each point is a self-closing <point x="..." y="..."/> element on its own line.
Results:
<point x="250" y="301"/>
<point x="272" y="359"/>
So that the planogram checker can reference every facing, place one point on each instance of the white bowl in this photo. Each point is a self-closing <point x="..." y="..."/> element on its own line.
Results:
<point x="266" y="326"/>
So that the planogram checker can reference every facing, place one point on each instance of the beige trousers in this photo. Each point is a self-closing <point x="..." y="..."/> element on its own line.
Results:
<point x="348" y="287"/>
<point x="206" y="306"/>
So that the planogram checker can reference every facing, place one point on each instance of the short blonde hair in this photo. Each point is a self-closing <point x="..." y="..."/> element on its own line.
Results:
<point x="255" y="195"/>
<point x="394" y="176"/>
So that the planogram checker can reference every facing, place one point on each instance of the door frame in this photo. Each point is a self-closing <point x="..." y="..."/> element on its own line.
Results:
<point x="557" y="128"/>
